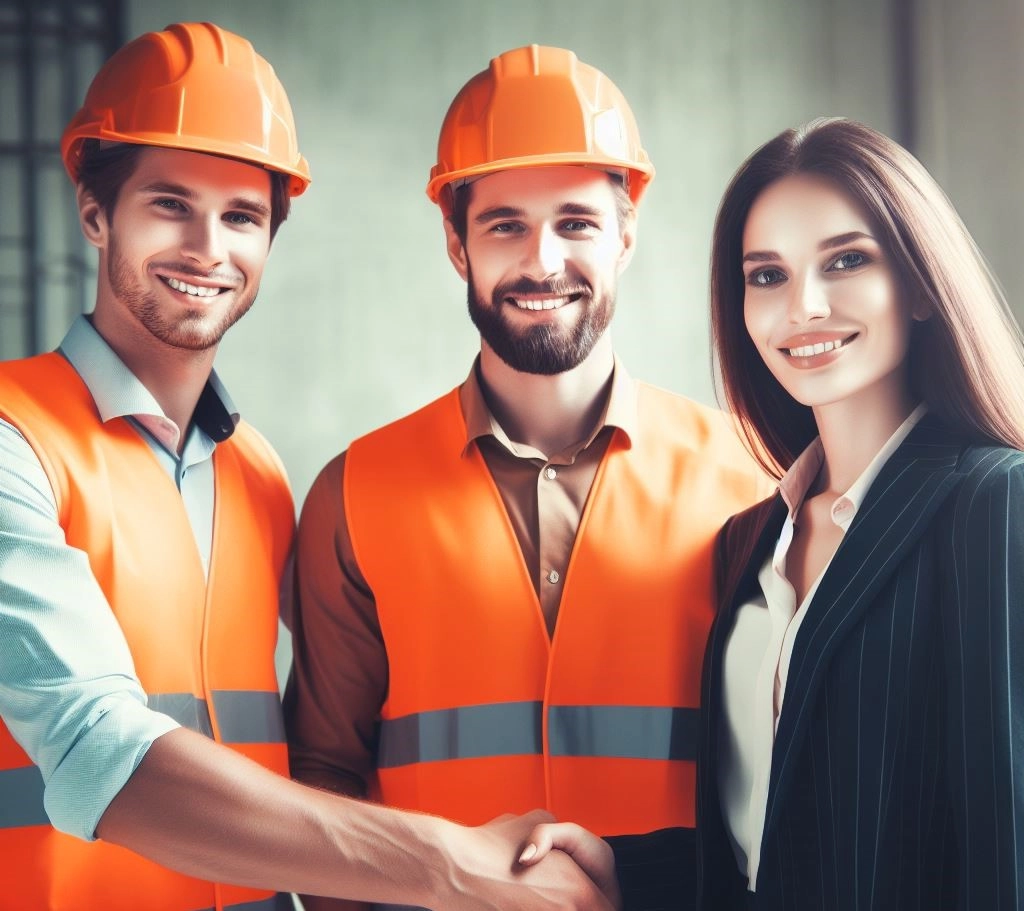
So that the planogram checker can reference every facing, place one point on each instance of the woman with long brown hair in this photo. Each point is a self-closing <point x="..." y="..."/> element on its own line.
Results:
<point x="862" y="742"/>
<point x="863" y="734"/>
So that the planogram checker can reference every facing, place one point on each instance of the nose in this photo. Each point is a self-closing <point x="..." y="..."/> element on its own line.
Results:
<point x="808" y="300"/>
<point x="204" y="241"/>
<point x="545" y="254"/>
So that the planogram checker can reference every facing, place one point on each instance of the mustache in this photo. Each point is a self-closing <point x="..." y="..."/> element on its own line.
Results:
<point x="563" y="286"/>
<point x="221" y="276"/>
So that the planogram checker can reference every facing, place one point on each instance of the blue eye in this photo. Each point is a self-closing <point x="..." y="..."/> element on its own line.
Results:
<point x="850" y="260"/>
<point x="766" y="277"/>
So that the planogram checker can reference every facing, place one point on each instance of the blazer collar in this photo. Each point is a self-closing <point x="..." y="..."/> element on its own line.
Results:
<point x="907" y="492"/>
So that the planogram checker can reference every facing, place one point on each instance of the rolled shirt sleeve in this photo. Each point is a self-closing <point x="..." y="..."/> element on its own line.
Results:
<point x="68" y="689"/>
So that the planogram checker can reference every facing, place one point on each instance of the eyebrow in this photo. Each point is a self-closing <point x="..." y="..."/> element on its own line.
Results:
<point x="830" y="243"/>
<point x="497" y="213"/>
<point x="242" y="203"/>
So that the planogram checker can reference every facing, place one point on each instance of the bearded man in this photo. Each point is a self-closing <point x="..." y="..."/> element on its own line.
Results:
<point x="503" y="598"/>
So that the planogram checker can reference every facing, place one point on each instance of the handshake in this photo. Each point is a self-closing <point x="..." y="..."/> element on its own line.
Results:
<point x="554" y="866"/>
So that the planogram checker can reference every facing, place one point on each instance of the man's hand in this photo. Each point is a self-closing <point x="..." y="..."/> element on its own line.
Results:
<point x="486" y="875"/>
<point x="593" y="855"/>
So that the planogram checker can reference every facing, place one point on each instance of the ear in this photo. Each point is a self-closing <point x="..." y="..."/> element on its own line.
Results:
<point x="92" y="218"/>
<point x="456" y="250"/>
<point x="921" y="311"/>
<point x="628" y="237"/>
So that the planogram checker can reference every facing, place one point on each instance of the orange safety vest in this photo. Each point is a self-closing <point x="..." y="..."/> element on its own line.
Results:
<point x="484" y="713"/>
<point x="203" y="649"/>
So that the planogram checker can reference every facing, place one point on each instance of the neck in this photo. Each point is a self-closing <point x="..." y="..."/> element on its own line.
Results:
<point x="549" y="413"/>
<point x="175" y="377"/>
<point x="854" y="430"/>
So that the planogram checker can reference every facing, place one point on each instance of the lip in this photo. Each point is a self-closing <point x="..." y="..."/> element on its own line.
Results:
<point x="542" y="303"/>
<point x="835" y="343"/>
<point x="203" y="285"/>
<point x="818" y="337"/>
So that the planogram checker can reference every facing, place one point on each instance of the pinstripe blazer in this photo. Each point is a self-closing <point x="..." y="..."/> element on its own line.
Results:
<point x="897" y="778"/>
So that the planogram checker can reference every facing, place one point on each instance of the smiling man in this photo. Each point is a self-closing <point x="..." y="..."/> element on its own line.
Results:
<point x="503" y="599"/>
<point x="143" y="533"/>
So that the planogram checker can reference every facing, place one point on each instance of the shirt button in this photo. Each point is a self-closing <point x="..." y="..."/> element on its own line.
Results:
<point x="550" y="473"/>
<point x="553" y="577"/>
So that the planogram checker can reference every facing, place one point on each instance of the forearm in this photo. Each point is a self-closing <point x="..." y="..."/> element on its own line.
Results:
<point x="199" y="808"/>
<point x="196" y="807"/>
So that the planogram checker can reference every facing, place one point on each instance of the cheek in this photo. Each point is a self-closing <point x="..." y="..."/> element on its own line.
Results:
<point x="755" y="321"/>
<point x="880" y="304"/>
<point x="252" y="256"/>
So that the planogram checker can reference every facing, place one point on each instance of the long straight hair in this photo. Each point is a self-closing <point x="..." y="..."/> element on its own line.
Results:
<point x="966" y="361"/>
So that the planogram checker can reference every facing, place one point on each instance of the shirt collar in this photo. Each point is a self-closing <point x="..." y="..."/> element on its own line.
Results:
<point x="117" y="392"/>
<point x="798" y="480"/>
<point x="620" y="411"/>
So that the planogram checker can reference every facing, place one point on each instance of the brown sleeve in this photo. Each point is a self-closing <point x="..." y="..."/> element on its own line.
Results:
<point x="339" y="676"/>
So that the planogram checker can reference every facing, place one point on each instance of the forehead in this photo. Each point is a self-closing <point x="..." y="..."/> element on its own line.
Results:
<point x="801" y="208"/>
<point x="200" y="173"/>
<point x="542" y="191"/>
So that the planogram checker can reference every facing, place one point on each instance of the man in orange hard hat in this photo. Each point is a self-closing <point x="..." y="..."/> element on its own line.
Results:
<point x="503" y="599"/>
<point x="143" y="532"/>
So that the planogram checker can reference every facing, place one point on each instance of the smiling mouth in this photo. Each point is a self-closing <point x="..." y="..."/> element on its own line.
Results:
<point x="544" y="303"/>
<point x="192" y="290"/>
<point x="819" y="347"/>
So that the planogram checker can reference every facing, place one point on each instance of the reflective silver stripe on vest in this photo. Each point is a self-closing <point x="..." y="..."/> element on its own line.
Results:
<point x="514" y="729"/>
<point x="21" y="798"/>
<point x="623" y="731"/>
<point x="502" y="729"/>
<point x="244" y="716"/>
<point x="184" y="708"/>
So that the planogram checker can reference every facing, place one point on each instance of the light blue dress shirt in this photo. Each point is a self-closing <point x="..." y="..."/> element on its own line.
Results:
<point x="68" y="689"/>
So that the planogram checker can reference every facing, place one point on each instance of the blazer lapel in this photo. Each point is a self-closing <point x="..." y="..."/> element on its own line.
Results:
<point x="896" y="511"/>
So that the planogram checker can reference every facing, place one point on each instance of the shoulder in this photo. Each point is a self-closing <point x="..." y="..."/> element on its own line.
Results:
<point x="984" y="466"/>
<point x="698" y="418"/>
<point x="415" y="422"/>
<point x="257" y="449"/>
<point x="991" y="492"/>
<point x="693" y="427"/>
<point x="742" y="530"/>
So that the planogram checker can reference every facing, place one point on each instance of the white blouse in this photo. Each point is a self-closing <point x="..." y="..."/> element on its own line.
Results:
<point x="758" y="652"/>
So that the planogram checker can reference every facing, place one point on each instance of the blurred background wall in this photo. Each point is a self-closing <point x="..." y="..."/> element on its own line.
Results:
<point x="361" y="317"/>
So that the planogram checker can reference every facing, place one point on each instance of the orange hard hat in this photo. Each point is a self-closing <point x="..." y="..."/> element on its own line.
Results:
<point x="193" y="86"/>
<point x="537" y="106"/>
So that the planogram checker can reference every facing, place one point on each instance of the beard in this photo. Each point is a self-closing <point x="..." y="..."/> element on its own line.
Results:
<point x="547" y="349"/>
<point x="191" y="329"/>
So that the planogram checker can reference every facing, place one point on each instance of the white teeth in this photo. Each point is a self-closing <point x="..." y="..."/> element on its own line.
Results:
<point x="194" y="290"/>
<point x="819" y="348"/>
<point x="548" y="303"/>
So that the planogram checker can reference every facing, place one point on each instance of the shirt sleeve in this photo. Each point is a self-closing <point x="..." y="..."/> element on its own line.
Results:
<point x="339" y="676"/>
<point x="68" y="689"/>
<point x="984" y="657"/>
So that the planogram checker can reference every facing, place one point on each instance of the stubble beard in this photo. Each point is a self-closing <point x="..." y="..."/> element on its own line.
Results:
<point x="548" y="349"/>
<point x="191" y="329"/>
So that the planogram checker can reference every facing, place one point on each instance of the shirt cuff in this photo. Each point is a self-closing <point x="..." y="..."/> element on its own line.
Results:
<point x="98" y="765"/>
